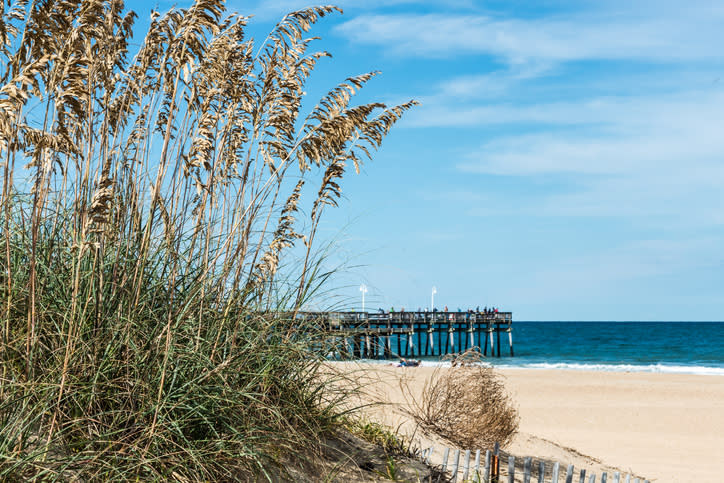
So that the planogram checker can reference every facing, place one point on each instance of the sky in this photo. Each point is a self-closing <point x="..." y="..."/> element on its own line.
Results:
<point x="566" y="161"/>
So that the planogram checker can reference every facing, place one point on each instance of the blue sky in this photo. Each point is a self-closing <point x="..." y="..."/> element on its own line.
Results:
<point x="566" y="162"/>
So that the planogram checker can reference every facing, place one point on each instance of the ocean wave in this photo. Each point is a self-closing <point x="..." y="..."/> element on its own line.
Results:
<point x="658" y="368"/>
<point x="578" y="366"/>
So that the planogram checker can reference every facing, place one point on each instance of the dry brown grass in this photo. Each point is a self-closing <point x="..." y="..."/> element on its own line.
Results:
<point x="467" y="404"/>
<point x="152" y="195"/>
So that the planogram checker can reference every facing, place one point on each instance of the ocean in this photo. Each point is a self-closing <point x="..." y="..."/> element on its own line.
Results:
<point x="669" y="347"/>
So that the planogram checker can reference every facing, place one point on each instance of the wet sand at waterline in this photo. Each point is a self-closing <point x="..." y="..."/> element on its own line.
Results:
<point x="662" y="427"/>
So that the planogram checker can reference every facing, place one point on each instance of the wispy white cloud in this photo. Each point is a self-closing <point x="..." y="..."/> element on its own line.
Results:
<point x="614" y="135"/>
<point x="655" y="35"/>
<point x="637" y="157"/>
<point x="265" y="10"/>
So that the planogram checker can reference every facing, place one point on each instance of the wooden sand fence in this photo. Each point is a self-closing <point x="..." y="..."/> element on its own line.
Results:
<point x="499" y="467"/>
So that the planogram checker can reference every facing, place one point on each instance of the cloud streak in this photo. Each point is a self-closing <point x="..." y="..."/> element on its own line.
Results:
<point x="657" y="35"/>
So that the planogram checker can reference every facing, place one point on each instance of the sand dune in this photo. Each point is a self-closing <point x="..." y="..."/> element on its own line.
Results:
<point x="664" y="427"/>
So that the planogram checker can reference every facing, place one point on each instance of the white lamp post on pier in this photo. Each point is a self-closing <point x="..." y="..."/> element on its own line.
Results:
<point x="363" y="289"/>
<point x="432" y="299"/>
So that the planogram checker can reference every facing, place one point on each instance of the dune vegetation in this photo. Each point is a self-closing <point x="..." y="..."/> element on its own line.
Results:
<point x="151" y="191"/>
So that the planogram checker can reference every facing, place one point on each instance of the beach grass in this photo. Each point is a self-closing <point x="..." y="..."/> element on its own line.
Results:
<point x="149" y="202"/>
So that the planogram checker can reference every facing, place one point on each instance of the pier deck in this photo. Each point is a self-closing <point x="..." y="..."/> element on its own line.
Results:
<point x="414" y="334"/>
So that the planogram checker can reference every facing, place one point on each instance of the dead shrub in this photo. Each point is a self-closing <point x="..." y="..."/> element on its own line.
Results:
<point x="466" y="403"/>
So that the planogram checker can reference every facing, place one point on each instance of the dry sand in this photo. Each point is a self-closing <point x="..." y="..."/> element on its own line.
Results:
<point x="662" y="427"/>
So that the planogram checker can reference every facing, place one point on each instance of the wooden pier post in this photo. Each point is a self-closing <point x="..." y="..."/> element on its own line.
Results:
<point x="471" y="333"/>
<point x="356" y="343"/>
<point x="451" y="336"/>
<point x="441" y="340"/>
<point x="485" y="337"/>
<point x="343" y="350"/>
<point x="510" y="339"/>
<point x="399" y="343"/>
<point x="497" y="331"/>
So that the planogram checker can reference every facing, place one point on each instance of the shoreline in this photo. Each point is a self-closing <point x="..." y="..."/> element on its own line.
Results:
<point x="657" y="368"/>
<point x="662" y="426"/>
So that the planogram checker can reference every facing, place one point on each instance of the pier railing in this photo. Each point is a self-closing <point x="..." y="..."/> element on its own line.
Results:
<point x="414" y="334"/>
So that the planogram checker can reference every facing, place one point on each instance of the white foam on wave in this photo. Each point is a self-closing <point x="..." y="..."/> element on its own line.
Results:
<point x="578" y="366"/>
<point x="657" y="368"/>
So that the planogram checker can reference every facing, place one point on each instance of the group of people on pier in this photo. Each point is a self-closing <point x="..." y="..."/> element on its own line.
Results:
<point x="485" y="311"/>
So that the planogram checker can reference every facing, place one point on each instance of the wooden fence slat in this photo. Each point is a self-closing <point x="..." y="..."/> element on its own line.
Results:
<point x="491" y="468"/>
<point x="456" y="464"/>
<point x="444" y="459"/>
<point x="476" y="476"/>
<point x="495" y="473"/>
<point x="556" y="469"/>
<point x="526" y="469"/>
<point x="569" y="474"/>
<point x="466" y="467"/>
<point x="486" y="475"/>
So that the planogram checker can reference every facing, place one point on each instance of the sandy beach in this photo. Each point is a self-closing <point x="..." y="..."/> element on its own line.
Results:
<point x="662" y="427"/>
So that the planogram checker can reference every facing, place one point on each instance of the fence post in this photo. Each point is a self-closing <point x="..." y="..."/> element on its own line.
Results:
<point x="476" y="478"/>
<point x="456" y="464"/>
<point x="616" y="477"/>
<point x="592" y="478"/>
<point x="495" y="470"/>
<point x="526" y="469"/>
<point x="604" y="477"/>
<point x="569" y="474"/>
<point x="486" y="475"/>
<point x="556" y="469"/>
<point x="444" y="459"/>
<point x="466" y="467"/>
<point x="541" y="471"/>
<point x="511" y="469"/>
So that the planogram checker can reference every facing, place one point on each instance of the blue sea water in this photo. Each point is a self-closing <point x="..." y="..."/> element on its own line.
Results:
<point x="672" y="347"/>
<point x="683" y="347"/>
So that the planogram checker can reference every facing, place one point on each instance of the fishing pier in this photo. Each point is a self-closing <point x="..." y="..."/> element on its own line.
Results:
<point x="415" y="334"/>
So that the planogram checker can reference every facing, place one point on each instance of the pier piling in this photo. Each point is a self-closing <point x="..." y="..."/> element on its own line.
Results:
<point x="373" y="335"/>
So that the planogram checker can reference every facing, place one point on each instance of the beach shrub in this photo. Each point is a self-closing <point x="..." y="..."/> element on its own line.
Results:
<point x="466" y="403"/>
<point x="149" y="205"/>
